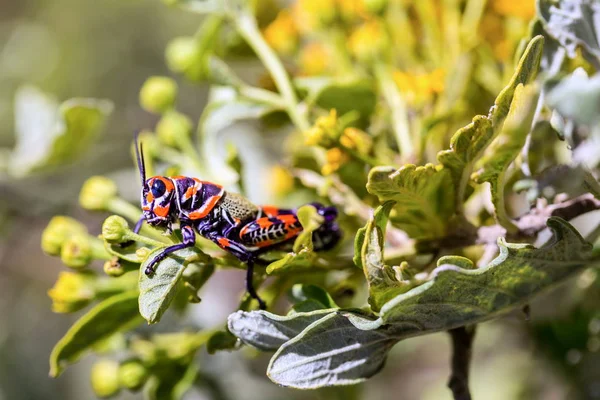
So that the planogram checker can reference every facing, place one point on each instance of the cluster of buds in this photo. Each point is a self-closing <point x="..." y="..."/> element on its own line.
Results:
<point x="158" y="95"/>
<point x="161" y="352"/>
<point x="109" y="377"/>
<point x="69" y="239"/>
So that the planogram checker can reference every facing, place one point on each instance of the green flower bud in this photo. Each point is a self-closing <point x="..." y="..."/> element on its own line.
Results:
<point x="158" y="94"/>
<point x="376" y="6"/>
<point x="181" y="54"/>
<point x="173" y="127"/>
<point x="113" y="268"/>
<point x="115" y="229"/>
<point x="77" y="252"/>
<point x="132" y="374"/>
<point x="105" y="378"/>
<point x="96" y="193"/>
<point x="72" y="292"/>
<point x="59" y="230"/>
<point x="117" y="267"/>
<point x="142" y="253"/>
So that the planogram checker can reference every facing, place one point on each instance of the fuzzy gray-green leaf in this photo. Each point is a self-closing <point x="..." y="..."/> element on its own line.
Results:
<point x="344" y="348"/>
<point x="513" y="136"/>
<point x="331" y="351"/>
<point x="469" y="143"/>
<point x="158" y="289"/>
<point x="267" y="331"/>
<point x="456" y="296"/>
<point x="575" y="25"/>
<point x="385" y="282"/>
<point x="424" y="197"/>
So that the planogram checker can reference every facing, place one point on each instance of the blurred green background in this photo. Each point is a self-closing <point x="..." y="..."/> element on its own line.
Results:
<point x="106" y="49"/>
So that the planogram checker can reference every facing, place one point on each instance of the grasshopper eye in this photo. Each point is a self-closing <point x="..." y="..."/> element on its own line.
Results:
<point x="158" y="188"/>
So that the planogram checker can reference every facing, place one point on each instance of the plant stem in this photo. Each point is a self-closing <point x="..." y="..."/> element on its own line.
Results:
<point x="188" y="148"/>
<point x="398" y="109"/>
<point x="462" y="342"/>
<point x="366" y="159"/>
<point x="246" y="26"/>
<point x="261" y="95"/>
<point x="146" y="240"/>
<point x="98" y="250"/>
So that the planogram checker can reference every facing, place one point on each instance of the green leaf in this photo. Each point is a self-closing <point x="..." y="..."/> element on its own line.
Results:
<point x="347" y="96"/>
<point x="157" y="291"/>
<point x="575" y="25"/>
<point x="126" y="253"/>
<point x="173" y="382"/>
<point x="310" y="298"/>
<point x="424" y="197"/>
<point x="515" y="131"/>
<point x="52" y="135"/>
<point x="469" y="143"/>
<point x="199" y="6"/>
<point x="576" y="97"/>
<point x="331" y="351"/>
<point x="221" y="340"/>
<point x="454" y="296"/>
<point x="267" y="331"/>
<point x="385" y="282"/>
<point x="572" y="180"/>
<point x="303" y="255"/>
<point x="115" y="314"/>
<point x="216" y="118"/>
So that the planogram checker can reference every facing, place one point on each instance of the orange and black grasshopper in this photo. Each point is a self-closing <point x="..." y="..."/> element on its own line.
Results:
<point x="228" y="219"/>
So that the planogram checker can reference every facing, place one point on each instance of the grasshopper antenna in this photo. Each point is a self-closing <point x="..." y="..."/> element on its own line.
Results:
<point x="139" y="154"/>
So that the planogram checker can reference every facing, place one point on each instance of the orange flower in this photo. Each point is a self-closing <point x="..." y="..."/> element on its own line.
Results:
<point x="282" y="181"/>
<point x="418" y="88"/>
<point x="524" y="9"/>
<point x="335" y="159"/>
<point x="368" y="40"/>
<point x="314" y="59"/>
<point x="282" y="33"/>
<point x="313" y="14"/>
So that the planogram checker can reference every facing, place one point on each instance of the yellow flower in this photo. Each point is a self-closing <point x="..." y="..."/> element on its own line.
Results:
<point x="356" y="139"/>
<point x="76" y="252"/>
<point x="335" y="159"/>
<point x="328" y="122"/>
<point x="524" y="9"/>
<point x="282" y="181"/>
<point x="324" y="132"/>
<point x="314" y="59"/>
<point x="313" y="14"/>
<point x="71" y="292"/>
<point x="351" y="10"/>
<point x="58" y="231"/>
<point x="97" y="193"/>
<point x="368" y="40"/>
<point x="282" y="33"/>
<point x="503" y="49"/>
<point x="314" y="136"/>
<point x="105" y="378"/>
<point x="418" y="88"/>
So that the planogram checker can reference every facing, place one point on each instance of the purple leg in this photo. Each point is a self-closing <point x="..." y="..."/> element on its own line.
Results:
<point x="250" y="285"/>
<point x="243" y="254"/>
<point x="189" y="240"/>
<point x="139" y="224"/>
